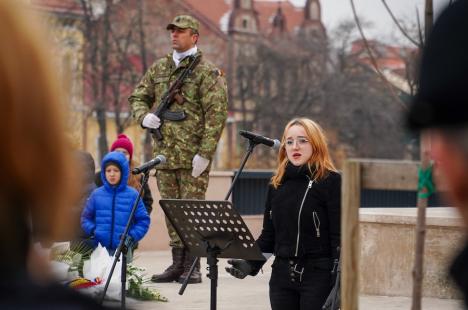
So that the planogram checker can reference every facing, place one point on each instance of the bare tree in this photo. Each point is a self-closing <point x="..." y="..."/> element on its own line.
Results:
<point x="276" y="79"/>
<point x="425" y="143"/>
<point x="287" y="77"/>
<point x="114" y="34"/>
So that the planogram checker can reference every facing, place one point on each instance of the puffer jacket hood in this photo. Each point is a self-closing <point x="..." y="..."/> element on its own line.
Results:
<point x="109" y="207"/>
<point x="121" y="161"/>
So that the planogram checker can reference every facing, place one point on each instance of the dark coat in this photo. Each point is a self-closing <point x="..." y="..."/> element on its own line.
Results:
<point x="23" y="293"/>
<point x="18" y="290"/>
<point x="108" y="208"/>
<point x="312" y="231"/>
<point x="86" y="164"/>
<point x="459" y="272"/>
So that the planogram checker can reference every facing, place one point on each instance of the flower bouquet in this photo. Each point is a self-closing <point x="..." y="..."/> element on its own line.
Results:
<point x="86" y="270"/>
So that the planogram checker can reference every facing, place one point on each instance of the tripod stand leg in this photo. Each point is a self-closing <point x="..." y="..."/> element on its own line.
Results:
<point x="123" y="279"/>
<point x="213" y="275"/>
<point x="192" y="268"/>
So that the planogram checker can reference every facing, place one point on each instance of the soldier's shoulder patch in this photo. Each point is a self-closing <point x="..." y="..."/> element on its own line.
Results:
<point x="218" y="72"/>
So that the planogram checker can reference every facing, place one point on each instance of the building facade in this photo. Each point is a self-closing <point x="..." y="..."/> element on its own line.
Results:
<point x="105" y="47"/>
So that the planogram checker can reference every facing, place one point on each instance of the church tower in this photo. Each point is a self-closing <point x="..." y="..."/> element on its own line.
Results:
<point x="278" y="23"/>
<point x="243" y="18"/>
<point x="312" y="24"/>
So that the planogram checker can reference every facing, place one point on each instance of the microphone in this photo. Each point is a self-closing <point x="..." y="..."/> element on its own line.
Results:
<point x="160" y="159"/>
<point x="260" y="139"/>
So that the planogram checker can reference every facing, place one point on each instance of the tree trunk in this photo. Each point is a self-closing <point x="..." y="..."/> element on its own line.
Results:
<point x="147" y="144"/>
<point x="418" y="269"/>
<point x="102" y="139"/>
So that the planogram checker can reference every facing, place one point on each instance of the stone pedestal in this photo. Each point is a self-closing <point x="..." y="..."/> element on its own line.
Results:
<point x="387" y="251"/>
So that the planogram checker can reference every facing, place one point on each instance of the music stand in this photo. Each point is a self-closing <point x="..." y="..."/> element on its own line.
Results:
<point x="211" y="229"/>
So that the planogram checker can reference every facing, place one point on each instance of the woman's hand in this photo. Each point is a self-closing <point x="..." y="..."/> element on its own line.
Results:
<point x="240" y="268"/>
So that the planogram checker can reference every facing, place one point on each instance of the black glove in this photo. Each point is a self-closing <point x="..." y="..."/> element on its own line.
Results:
<point x="240" y="268"/>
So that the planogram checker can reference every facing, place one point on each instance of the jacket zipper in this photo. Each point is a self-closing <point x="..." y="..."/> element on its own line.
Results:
<point x="309" y="186"/>
<point x="113" y="219"/>
<point x="316" y="223"/>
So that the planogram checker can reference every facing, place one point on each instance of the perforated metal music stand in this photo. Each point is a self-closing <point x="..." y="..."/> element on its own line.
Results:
<point x="211" y="229"/>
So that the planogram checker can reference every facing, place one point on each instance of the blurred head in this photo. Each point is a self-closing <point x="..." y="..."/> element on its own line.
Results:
<point x="85" y="163"/>
<point x="440" y="108"/>
<point x="124" y="145"/>
<point x="449" y="148"/>
<point x="184" y="32"/>
<point x="303" y="143"/>
<point x="35" y="163"/>
<point x="442" y="97"/>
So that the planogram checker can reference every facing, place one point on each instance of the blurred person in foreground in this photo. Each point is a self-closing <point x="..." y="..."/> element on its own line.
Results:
<point x="36" y="167"/>
<point x="85" y="185"/>
<point x="440" y="109"/>
<point x="301" y="223"/>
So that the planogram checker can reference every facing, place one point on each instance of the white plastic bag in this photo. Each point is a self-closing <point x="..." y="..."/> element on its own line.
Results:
<point x="59" y="270"/>
<point x="98" y="266"/>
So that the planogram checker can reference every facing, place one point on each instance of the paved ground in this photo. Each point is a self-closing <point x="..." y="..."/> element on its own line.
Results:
<point x="248" y="294"/>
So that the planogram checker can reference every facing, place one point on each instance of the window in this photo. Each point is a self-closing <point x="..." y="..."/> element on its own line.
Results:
<point x="245" y="22"/>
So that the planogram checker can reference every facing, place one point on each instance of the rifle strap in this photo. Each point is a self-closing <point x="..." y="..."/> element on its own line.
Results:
<point x="191" y="66"/>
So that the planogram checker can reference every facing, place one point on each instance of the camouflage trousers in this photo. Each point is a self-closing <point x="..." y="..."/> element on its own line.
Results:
<point x="179" y="184"/>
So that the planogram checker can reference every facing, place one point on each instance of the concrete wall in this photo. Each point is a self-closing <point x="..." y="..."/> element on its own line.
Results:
<point x="157" y="237"/>
<point x="387" y="251"/>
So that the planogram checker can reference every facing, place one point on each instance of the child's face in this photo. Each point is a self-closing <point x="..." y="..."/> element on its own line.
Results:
<point x="113" y="174"/>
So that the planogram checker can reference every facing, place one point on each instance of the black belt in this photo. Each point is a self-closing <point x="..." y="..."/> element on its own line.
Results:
<point x="297" y="265"/>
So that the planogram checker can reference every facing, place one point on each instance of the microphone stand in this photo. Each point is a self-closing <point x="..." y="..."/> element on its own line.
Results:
<point x="250" y="148"/>
<point x="122" y="249"/>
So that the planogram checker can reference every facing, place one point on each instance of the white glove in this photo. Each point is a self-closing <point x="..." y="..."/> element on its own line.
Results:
<point x="151" y="121"/>
<point x="199" y="165"/>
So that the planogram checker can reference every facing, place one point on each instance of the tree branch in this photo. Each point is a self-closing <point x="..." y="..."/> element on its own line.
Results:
<point x="403" y="31"/>
<point x="421" y="37"/>
<point x="371" y="55"/>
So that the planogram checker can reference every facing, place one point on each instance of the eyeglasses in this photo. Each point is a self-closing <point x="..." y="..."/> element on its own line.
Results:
<point x="299" y="141"/>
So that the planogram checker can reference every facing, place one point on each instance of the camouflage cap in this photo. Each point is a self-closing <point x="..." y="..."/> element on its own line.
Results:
<point x="184" y="22"/>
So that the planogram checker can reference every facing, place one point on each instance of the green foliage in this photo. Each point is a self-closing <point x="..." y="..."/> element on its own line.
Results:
<point x="74" y="256"/>
<point x="78" y="252"/>
<point x="136" y="289"/>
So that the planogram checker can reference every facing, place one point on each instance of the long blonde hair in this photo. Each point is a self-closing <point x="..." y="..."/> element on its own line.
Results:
<point x="36" y="165"/>
<point x="319" y="164"/>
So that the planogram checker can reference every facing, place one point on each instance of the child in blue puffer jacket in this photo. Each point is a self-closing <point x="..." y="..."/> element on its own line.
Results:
<point x="108" y="207"/>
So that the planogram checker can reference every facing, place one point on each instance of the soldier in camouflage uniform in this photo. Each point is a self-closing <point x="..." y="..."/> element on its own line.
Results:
<point x="188" y="145"/>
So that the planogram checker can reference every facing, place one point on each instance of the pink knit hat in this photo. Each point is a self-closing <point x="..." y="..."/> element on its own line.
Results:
<point x="124" y="142"/>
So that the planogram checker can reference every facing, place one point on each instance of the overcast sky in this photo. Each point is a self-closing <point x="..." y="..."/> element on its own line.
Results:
<point x="334" y="11"/>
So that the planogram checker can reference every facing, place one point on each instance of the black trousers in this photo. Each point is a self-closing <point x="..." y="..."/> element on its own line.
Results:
<point x="300" y="284"/>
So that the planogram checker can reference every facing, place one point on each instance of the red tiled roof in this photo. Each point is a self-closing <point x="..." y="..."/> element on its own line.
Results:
<point x="267" y="9"/>
<point x="58" y="6"/>
<point x="387" y="56"/>
<point x="199" y="12"/>
<point x="214" y="10"/>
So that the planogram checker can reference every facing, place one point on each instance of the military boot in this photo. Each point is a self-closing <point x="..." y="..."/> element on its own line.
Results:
<point x="196" y="275"/>
<point x="173" y="272"/>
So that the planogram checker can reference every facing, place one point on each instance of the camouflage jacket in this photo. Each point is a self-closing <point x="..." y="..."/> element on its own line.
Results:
<point x="205" y="105"/>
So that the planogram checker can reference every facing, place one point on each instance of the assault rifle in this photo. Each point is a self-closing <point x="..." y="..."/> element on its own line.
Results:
<point x="173" y="93"/>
